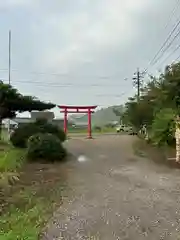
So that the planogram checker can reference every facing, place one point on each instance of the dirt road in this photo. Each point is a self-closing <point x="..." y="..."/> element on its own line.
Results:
<point x="116" y="195"/>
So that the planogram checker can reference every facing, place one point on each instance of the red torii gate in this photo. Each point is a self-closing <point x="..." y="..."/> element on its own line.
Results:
<point x="77" y="109"/>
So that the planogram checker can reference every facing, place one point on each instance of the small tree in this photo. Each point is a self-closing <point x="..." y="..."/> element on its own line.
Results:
<point x="20" y="136"/>
<point x="46" y="147"/>
<point x="163" y="127"/>
<point x="118" y="111"/>
<point x="11" y="102"/>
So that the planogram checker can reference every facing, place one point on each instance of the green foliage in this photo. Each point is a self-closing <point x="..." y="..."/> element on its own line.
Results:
<point x="21" y="134"/>
<point x="97" y="128"/>
<point x="11" y="158"/>
<point x="118" y="110"/>
<point x="109" y="125"/>
<point x="45" y="127"/>
<point x="158" y="104"/>
<point x="11" y="101"/>
<point x="30" y="207"/>
<point x="41" y="121"/>
<point x="163" y="127"/>
<point x="45" y="146"/>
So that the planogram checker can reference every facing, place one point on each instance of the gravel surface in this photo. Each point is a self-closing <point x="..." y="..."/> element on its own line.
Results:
<point x="116" y="195"/>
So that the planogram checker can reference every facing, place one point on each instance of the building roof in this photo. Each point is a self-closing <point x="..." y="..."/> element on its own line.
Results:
<point x="80" y="123"/>
<point x="42" y="114"/>
<point x="30" y="120"/>
<point x="23" y="120"/>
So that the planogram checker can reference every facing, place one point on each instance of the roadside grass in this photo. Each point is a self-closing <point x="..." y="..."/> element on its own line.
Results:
<point x="4" y="135"/>
<point x="29" y="212"/>
<point x="103" y="130"/>
<point x="138" y="148"/>
<point x="29" y="197"/>
<point x="10" y="158"/>
<point x="160" y="155"/>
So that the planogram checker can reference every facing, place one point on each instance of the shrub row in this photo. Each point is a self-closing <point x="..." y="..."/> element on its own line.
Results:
<point x="21" y="135"/>
<point x="46" y="147"/>
<point x="43" y="140"/>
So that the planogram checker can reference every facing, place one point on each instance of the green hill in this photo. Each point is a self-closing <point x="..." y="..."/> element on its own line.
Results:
<point x="100" y="117"/>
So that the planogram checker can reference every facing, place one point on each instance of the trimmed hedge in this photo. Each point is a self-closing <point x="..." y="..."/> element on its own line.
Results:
<point x="20" y="136"/>
<point x="45" y="146"/>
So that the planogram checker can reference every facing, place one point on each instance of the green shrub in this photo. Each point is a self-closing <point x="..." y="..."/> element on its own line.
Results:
<point x="21" y="135"/>
<point x="46" y="127"/>
<point x="45" y="146"/>
<point x="41" y="121"/>
<point x="97" y="128"/>
<point x="163" y="127"/>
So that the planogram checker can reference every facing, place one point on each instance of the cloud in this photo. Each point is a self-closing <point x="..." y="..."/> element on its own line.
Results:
<point x="84" y="40"/>
<point x="88" y="34"/>
<point x="7" y="4"/>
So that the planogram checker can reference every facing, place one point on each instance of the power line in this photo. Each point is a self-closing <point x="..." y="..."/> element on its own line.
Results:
<point x="173" y="12"/>
<point x="168" y="46"/>
<point x="178" y="47"/>
<point x="166" y="41"/>
<point x="78" y="86"/>
<point x="177" y="59"/>
<point x="163" y="52"/>
<point x="56" y="84"/>
<point x="153" y="61"/>
<point x="64" y="74"/>
<point x="110" y="95"/>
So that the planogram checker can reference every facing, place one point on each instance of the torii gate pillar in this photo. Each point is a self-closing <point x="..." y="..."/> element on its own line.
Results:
<point x="65" y="120"/>
<point x="89" y="124"/>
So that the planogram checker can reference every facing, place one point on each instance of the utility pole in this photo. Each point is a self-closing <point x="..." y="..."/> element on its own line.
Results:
<point x="137" y="82"/>
<point x="9" y="68"/>
<point x="10" y="57"/>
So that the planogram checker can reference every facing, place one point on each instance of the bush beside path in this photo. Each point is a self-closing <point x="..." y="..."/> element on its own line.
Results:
<point x="32" y="179"/>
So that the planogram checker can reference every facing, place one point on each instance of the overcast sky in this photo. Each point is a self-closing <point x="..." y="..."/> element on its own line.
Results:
<point x="79" y="52"/>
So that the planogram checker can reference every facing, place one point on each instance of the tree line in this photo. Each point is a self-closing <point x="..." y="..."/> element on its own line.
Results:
<point x="157" y="107"/>
<point x="13" y="102"/>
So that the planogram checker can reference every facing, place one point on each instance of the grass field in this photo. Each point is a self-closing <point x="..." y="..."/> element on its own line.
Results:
<point x="10" y="158"/>
<point x="29" y="209"/>
<point x="4" y="135"/>
<point x="29" y="193"/>
<point x="161" y="155"/>
<point x="27" y="203"/>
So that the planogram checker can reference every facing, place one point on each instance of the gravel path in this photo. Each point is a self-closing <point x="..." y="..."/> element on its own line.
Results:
<point x="116" y="195"/>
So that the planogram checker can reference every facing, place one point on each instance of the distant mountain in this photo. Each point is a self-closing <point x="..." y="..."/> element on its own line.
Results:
<point x="100" y="117"/>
